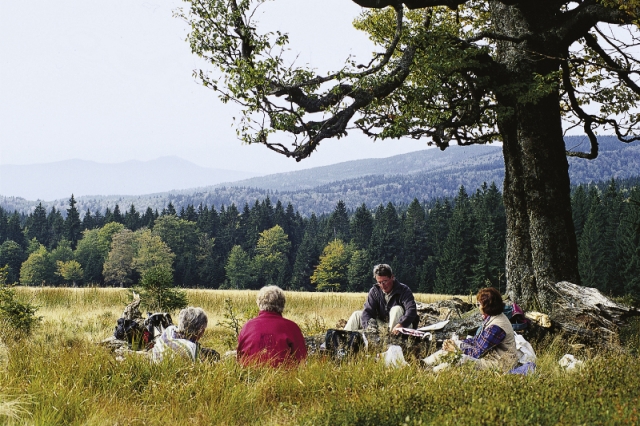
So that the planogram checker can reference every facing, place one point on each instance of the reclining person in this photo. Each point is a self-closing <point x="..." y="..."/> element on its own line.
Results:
<point x="389" y="303"/>
<point x="270" y="339"/>
<point x="183" y="338"/>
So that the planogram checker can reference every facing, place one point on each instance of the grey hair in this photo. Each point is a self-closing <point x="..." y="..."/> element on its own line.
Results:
<point x="382" y="270"/>
<point x="192" y="322"/>
<point x="271" y="298"/>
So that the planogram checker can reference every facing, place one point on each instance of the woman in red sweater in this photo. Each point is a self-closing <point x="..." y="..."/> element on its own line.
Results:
<point x="270" y="339"/>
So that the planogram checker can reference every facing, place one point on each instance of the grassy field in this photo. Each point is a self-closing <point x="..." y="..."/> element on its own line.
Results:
<point x="61" y="376"/>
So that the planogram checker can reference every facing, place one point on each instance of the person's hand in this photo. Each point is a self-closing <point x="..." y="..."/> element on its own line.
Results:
<point x="449" y="346"/>
<point x="396" y="330"/>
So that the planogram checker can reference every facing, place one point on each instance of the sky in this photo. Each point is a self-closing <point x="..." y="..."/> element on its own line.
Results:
<point x="111" y="81"/>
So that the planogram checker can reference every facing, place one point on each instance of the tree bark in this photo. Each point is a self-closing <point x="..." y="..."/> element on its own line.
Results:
<point x="541" y="243"/>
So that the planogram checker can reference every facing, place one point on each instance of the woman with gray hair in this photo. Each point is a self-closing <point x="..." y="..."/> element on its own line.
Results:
<point x="183" y="338"/>
<point x="270" y="339"/>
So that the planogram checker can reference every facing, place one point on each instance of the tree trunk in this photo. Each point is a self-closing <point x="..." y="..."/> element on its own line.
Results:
<point x="541" y="242"/>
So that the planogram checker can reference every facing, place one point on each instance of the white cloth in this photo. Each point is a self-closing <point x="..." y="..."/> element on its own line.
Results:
<point x="393" y="357"/>
<point x="525" y="349"/>
<point x="169" y="342"/>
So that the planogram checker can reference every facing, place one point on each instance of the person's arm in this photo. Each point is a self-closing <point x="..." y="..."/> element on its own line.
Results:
<point x="299" y="345"/>
<point x="410" y="312"/>
<point x="478" y="346"/>
<point x="370" y="309"/>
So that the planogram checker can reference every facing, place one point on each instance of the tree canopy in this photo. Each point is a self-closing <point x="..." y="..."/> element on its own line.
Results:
<point x="450" y="71"/>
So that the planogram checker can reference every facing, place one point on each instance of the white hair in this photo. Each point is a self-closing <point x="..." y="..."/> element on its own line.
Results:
<point x="192" y="322"/>
<point x="271" y="298"/>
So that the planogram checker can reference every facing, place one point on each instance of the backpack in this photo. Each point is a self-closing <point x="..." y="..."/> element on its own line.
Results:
<point x="128" y="330"/>
<point x="340" y="343"/>
<point x="516" y="317"/>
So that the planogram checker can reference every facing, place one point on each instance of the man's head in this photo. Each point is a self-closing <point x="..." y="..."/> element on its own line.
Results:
<point x="271" y="298"/>
<point x="383" y="275"/>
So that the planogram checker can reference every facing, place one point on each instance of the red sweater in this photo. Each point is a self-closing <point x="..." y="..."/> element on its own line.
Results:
<point x="270" y="339"/>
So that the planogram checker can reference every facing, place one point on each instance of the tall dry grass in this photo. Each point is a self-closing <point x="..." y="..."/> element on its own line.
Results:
<point x="60" y="376"/>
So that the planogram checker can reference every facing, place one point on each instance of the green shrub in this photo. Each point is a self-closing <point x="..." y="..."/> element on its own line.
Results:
<point x="17" y="318"/>
<point x="157" y="292"/>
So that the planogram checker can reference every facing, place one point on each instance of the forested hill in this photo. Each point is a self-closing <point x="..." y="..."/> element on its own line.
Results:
<point x="424" y="175"/>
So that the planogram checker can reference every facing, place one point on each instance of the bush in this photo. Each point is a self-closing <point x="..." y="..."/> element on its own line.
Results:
<point x="16" y="318"/>
<point x="157" y="292"/>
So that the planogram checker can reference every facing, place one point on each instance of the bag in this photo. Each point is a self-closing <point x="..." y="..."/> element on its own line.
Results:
<point x="154" y="325"/>
<point x="516" y="317"/>
<point x="340" y="343"/>
<point x="128" y="330"/>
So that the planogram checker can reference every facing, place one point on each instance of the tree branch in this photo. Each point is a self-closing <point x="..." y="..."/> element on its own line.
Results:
<point x="577" y="22"/>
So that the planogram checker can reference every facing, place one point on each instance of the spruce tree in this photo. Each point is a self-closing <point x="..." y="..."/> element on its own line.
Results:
<point x="338" y="224"/>
<point x="629" y="246"/>
<point x="88" y="221"/>
<point x="72" y="224"/>
<point x="591" y="250"/>
<point x="132" y="219"/>
<point x="37" y="225"/>
<point x="359" y="272"/>
<point x="56" y="227"/>
<point x="385" y="238"/>
<point x="307" y="256"/>
<point x="414" y="244"/>
<point x="453" y="274"/>
<point x="14" y="230"/>
<point x="361" y="227"/>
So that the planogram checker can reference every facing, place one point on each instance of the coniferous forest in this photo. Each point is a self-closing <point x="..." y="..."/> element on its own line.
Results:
<point x="448" y="245"/>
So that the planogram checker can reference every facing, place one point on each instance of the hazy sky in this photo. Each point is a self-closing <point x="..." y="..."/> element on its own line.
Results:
<point x="111" y="81"/>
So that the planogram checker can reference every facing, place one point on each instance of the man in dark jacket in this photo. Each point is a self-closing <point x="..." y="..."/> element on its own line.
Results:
<point x="389" y="303"/>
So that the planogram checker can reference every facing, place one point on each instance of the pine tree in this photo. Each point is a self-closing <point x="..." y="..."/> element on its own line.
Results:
<point x="359" y="274"/>
<point x="591" y="251"/>
<point x="307" y="256"/>
<point x="72" y="224"/>
<point x="612" y="209"/>
<point x="490" y="229"/>
<point x="14" y="230"/>
<point x="88" y="221"/>
<point x="579" y="209"/>
<point x="361" y="227"/>
<point x="132" y="218"/>
<point x="148" y="219"/>
<point x="385" y="242"/>
<point x="56" y="227"/>
<point x="338" y="224"/>
<point x="453" y="274"/>
<point x="12" y="255"/>
<point x="37" y="225"/>
<point x="116" y="216"/>
<point x="629" y="245"/>
<point x="414" y="245"/>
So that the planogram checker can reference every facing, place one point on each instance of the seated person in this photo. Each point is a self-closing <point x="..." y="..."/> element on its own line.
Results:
<point x="494" y="346"/>
<point x="183" y="338"/>
<point x="389" y="303"/>
<point x="270" y="339"/>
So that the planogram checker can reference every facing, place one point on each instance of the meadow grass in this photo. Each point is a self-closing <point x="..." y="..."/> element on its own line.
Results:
<point x="61" y="376"/>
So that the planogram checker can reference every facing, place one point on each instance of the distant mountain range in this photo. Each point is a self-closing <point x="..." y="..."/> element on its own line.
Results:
<point x="52" y="181"/>
<point x="424" y="175"/>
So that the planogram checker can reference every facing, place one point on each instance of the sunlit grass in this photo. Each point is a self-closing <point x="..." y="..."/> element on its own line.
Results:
<point x="60" y="376"/>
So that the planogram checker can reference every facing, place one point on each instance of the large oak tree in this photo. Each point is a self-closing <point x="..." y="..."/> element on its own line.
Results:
<point x="450" y="71"/>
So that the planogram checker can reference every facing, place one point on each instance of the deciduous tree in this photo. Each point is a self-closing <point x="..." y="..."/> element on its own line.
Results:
<point x="462" y="71"/>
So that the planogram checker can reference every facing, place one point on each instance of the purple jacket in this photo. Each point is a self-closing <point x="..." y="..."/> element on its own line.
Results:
<point x="377" y="307"/>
